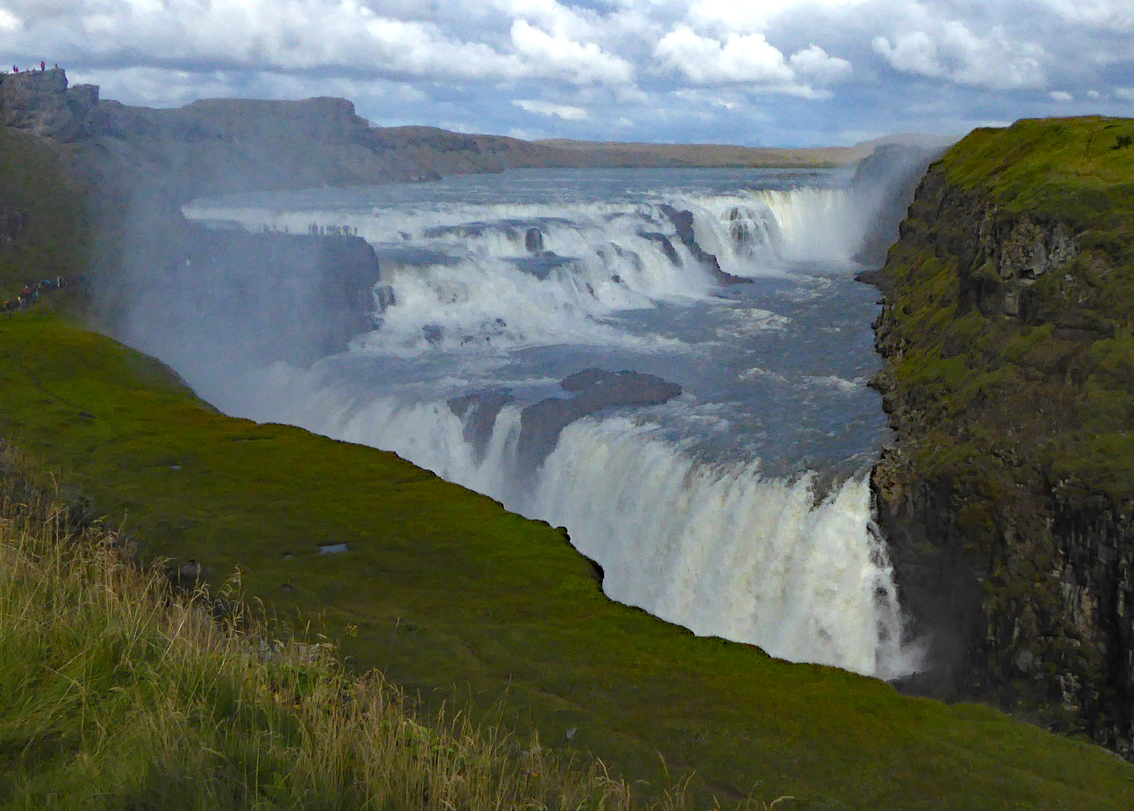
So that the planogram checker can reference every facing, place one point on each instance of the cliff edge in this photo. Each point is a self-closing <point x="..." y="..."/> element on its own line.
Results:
<point x="41" y="103"/>
<point x="1008" y="334"/>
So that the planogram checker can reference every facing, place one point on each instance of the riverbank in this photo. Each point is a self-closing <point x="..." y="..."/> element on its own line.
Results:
<point x="457" y="600"/>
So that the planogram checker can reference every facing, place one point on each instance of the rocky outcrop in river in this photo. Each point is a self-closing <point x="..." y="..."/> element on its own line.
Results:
<point x="591" y="391"/>
<point x="1008" y="495"/>
<point x="586" y="392"/>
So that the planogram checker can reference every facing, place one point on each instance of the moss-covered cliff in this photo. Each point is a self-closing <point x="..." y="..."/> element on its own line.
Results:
<point x="1008" y="333"/>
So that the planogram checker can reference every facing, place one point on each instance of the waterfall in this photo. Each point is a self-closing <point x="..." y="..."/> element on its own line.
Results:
<point x="741" y="295"/>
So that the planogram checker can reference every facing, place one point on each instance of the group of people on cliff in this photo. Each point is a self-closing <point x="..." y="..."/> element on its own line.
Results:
<point x="42" y="68"/>
<point x="316" y="230"/>
<point x="32" y="292"/>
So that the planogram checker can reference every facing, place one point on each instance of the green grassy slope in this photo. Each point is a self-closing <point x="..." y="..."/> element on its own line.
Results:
<point x="52" y="243"/>
<point x="1077" y="170"/>
<point x="443" y="590"/>
<point x="117" y="693"/>
<point x="446" y="589"/>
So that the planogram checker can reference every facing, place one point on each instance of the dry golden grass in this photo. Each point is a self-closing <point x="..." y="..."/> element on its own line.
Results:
<point x="117" y="692"/>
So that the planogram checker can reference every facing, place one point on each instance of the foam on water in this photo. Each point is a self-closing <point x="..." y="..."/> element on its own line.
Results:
<point x="757" y="232"/>
<point x="475" y="273"/>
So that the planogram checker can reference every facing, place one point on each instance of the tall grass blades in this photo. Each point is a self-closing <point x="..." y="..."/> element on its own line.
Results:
<point x="117" y="693"/>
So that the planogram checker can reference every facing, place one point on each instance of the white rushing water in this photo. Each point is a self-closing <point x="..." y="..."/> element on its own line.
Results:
<point x="732" y="554"/>
<point x="739" y="509"/>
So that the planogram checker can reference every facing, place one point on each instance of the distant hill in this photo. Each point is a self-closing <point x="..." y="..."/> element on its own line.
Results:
<point x="215" y="146"/>
<point x="612" y="153"/>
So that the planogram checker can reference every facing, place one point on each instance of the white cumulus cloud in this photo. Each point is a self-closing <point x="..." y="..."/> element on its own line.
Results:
<point x="561" y="58"/>
<point x="564" y="111"/>
<point x="752" y="17"/>
<point x="814" y="63"/>
<point x="749" y="60"/>
<point x="898" y="65"/>
<point x="704" y="60"/>
<point x="1106" y="14"/>
<point x="951" y="50"/>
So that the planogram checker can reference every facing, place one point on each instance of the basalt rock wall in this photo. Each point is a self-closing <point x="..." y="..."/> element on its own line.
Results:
<point x="1007" y="497"/>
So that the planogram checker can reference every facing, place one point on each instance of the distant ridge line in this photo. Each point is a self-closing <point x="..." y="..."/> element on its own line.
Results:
<point x="714" y="155"/>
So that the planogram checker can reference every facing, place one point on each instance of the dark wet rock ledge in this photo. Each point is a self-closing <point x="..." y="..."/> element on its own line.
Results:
<point x="587" y="392"/>
<point x="594" y="390"/>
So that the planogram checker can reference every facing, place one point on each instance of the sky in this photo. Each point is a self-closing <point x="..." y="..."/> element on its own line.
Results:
<point x="750" y="72"/>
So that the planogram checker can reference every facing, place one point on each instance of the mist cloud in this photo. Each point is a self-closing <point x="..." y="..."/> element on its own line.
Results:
<point x="788" y="72"/>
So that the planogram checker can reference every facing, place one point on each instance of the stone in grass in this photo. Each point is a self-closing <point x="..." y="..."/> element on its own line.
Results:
<point x="187" y="576"/>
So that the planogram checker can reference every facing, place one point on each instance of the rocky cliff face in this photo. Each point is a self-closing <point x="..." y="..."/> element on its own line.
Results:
<point x="160" y="280"/>
<point x="1007" y="498"/>
<point x="13" y="221"/>
<point x="40" y="102"/>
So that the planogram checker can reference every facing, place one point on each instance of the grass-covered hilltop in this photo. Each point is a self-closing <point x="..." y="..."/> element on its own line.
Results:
<point x="114" y="694"/>
<point x="1008" y="331"/>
